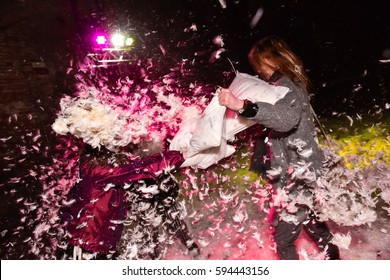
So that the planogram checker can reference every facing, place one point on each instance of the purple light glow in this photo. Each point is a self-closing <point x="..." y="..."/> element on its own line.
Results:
<point x="101" y="39"/>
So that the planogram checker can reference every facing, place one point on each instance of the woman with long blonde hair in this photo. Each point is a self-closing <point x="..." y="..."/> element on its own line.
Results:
<point x="292" y="145"/>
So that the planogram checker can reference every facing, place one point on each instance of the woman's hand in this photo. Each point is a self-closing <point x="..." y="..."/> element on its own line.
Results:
<point x="226" y="98"/>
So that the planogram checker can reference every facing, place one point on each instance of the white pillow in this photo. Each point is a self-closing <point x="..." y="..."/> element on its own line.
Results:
<point x="207" y="138"/>
<point x="208" y="131"/>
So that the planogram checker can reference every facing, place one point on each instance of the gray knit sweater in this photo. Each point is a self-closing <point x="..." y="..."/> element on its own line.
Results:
<point x="293" y="136"/>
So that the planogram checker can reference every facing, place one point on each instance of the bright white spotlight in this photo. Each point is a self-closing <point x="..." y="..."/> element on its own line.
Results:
<point x="118" y="40"/>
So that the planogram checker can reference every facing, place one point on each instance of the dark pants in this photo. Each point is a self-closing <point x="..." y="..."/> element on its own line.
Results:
<point x="260" y="161"/>
<point x="287" y="233"/>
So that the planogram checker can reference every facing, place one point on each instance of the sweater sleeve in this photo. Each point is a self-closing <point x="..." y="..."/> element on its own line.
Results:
<point x="149" y="167"/>
<point x="284" y="115"/>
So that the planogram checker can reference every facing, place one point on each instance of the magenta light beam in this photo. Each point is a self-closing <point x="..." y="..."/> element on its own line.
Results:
<point x="101" y="40"/>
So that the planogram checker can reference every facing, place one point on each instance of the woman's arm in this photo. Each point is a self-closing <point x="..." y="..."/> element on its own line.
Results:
<point x="283" y="116"/>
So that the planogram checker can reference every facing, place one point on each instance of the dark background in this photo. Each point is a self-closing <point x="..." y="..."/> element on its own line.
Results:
<point x="340" y="42"/>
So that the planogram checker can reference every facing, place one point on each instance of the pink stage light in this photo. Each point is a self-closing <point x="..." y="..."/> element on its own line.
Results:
<point x="101" y="39"/>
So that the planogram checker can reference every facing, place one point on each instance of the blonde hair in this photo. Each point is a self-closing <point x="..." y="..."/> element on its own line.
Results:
<point x="281" y="57"/>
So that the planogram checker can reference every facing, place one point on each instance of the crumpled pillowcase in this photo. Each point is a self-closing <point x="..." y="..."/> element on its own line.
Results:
<point x="245" y="86"/>
<point x="207" y="145"/>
